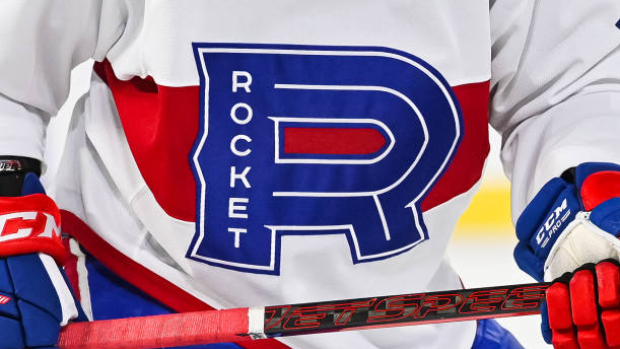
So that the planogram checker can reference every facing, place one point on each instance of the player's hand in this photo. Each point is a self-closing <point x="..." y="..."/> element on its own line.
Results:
<point x="35" y="299"/>
<point x="583" y="308"/>
<point x="572" y="225"/>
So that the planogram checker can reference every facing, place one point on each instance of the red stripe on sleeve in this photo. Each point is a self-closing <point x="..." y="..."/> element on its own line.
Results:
<point x="466" y="167"/>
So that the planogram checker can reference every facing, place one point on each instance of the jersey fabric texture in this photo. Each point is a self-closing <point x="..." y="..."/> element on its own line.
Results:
<point x="267" y="152"/>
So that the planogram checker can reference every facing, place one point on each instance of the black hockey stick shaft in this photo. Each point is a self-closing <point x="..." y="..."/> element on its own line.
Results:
<point x="404" y="310"/>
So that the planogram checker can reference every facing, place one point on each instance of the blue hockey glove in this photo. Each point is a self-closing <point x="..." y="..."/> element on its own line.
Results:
<point x="569" y="234"/>
<point x="35" y="299"/>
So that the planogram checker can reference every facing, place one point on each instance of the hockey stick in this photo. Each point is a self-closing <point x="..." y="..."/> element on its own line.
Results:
<point x="234" y="325"/>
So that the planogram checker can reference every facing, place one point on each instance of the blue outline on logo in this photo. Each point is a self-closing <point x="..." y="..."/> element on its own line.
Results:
<point x="279" y="234"/>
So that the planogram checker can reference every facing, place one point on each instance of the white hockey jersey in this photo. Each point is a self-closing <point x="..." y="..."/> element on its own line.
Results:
<point x="268" y="152"/>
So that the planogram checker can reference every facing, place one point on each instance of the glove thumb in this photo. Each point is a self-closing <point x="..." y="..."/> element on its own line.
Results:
<point x="32" y="185"/>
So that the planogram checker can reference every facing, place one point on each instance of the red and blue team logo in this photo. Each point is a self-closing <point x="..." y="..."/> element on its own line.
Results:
<point x="307" y="140"/>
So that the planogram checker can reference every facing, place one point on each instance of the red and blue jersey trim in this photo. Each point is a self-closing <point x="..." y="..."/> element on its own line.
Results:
<point x="140" y="277"/>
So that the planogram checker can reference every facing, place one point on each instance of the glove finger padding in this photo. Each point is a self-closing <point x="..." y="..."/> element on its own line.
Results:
<point x="608" y="277"/>
<point x="584" y="308"/>
<point x="35" y="303"/>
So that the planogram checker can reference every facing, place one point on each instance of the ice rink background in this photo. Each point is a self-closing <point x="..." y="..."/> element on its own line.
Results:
<point x="481" y="250"/>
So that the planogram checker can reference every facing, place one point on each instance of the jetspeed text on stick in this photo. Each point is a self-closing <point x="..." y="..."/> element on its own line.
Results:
<point x="403" y="309"/>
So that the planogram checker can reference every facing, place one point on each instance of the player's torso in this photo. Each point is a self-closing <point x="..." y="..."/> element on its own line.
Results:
<point x="298" y="150"/>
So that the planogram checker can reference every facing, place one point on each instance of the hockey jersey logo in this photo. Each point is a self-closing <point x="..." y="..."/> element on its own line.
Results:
<point x="306" y="140"/>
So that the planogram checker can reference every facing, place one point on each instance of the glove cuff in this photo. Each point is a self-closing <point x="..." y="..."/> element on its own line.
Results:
<point x="13" y="171"/>
<point x="30" y="224"/>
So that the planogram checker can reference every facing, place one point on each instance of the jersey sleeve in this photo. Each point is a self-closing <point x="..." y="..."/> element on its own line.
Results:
<point x="40" y="42"/>
<point x="555" y="91"/>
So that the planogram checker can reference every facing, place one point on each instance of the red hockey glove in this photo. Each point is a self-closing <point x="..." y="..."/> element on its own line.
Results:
<point x="584" y="308"/>
<point x="572" y="222"/>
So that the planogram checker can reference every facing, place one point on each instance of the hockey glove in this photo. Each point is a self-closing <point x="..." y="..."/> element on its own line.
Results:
<point x="572" y="225"/>
<point x="583" y="308"/>
<point x="35" y="299"/>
